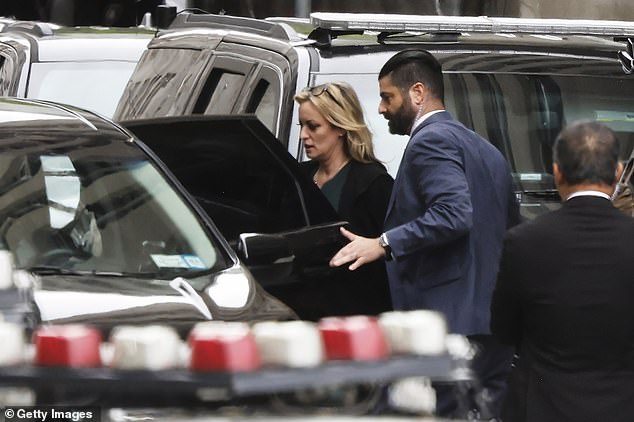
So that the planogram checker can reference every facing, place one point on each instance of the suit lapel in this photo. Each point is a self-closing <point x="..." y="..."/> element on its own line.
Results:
<point x="443" y="115"/>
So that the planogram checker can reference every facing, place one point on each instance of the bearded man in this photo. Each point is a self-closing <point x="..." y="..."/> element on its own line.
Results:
<point x="451" y="204"/>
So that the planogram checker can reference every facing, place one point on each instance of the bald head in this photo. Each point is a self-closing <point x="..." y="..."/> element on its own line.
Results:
<point x="587" y="153"/>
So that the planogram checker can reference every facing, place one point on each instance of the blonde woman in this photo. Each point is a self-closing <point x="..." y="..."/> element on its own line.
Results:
<point x="343" y="165"/>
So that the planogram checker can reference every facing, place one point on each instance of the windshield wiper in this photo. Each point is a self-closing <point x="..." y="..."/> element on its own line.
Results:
<point x="50" y="270"/>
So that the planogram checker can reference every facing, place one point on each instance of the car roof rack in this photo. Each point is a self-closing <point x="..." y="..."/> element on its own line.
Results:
<point x="39" y="29"/>
<point x="394" y="23"/>
<point x="250" y="25"/>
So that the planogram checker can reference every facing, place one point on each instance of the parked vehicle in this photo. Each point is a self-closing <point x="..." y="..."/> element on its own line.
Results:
<point x="109" y="234"/>
<point x="268" y="209"/>
<point x="517" y="82"/>
<point x="84" y="66"/>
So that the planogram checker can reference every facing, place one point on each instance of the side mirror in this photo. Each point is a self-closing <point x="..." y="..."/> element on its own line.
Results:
<point x="262" y="249"/>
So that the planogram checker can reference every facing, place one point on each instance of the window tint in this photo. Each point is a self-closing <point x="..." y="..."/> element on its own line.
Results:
<point x="223" y="87"/>
<point x="225" y="92"/>
<point x="264" y="99"/>
<point x="163" y="84"/>
<point x="263" y="104"/>
<point x="251" y="192"/>
<point x="232" y="174"/>
<point x="7" y="79"/>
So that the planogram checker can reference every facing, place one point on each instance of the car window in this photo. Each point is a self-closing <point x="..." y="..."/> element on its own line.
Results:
<point x="226" y="91"/>
<point x="7" y="75"/>
<point x="233" y="174"/>
<point x="164" y="84"/>
<point x="95" y="86"/>
<point x="259" y="92"/>
<point x="99" y="208"/>
<point x="231" y="88"/>
<point x="264" y="98"/>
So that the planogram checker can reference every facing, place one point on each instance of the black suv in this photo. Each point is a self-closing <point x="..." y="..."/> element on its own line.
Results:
<point x="108" y="233"/>
<point x="517" y="82"/>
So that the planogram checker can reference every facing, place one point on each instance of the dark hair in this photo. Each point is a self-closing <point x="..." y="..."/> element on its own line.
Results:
<point x="587" y="152"/>
<point x="415" y="65"/>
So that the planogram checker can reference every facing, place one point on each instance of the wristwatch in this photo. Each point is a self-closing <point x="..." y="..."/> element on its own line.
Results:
<point x="386" y="246"/>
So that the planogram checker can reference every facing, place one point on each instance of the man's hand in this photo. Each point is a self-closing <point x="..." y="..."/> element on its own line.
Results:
<point x="359" y="251"/>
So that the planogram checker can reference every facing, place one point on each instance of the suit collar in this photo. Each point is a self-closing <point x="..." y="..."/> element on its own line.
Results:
<point x="436" y="117"/>
<point x="586" y="200"/>
<point x="588" y="193"/>
<point x="424" y="117"/>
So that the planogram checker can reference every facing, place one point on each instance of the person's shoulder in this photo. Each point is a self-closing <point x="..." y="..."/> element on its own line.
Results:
<point x="364" y="176"/>
<point x="371" y="170"/>
<point x="538" y="226"/>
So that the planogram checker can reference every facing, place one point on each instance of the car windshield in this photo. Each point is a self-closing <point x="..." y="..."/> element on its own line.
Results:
<point x="97" y="206"/>
<point x="95" y="86"/>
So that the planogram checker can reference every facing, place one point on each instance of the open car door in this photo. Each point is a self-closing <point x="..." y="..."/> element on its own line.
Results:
<point x="272" y="214"/>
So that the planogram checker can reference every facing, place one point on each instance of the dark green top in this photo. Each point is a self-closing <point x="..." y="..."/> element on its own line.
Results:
<point x="332" y="188"/>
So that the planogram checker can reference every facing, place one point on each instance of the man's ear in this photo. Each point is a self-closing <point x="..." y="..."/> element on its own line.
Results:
<point x="619" y="171"/>
<point x="559" y="177"/>
<point x="417" y="93"/>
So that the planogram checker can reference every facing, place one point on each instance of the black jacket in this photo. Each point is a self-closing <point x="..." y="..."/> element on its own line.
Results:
<point x="363" y="203"/>
<point x="564" y="298"/>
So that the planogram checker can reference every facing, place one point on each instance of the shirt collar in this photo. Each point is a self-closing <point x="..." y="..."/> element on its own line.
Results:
<point x="422" y="118"/>
<point x="588" y="193"/>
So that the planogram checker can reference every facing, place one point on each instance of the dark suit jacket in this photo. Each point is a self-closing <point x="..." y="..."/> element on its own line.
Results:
<point x="451" y="204"/>
<point x="565" y="298"/>
<point x="364" y="198"/>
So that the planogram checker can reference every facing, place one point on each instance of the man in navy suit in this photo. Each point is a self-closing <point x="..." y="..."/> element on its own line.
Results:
<point x="451" y="204"/>
<point x="564" y="293"/>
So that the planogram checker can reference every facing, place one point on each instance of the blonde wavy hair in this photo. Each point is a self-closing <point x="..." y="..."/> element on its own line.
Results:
<point x="339" y="104"/>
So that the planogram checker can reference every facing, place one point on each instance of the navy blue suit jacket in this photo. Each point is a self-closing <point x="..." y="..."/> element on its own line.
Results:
<point x="451" y="204"/>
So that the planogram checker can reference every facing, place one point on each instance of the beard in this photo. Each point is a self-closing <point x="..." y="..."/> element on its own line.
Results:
<point x="400" y="122"/>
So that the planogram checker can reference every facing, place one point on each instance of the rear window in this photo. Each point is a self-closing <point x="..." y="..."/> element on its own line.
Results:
<point x="163" y="84"/>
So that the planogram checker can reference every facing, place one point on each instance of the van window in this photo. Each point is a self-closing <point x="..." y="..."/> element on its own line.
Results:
<point x="163" y="84"/>
<point x="264" y="99"/>
<point x="222" y="88"/>
<point x="225" y="92"/>
<point x="6" y="76"/>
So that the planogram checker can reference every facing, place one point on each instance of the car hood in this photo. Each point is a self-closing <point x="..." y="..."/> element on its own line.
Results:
<point x="106" y="301"/>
